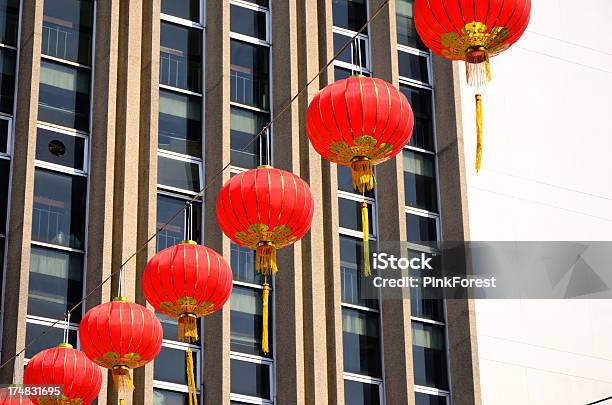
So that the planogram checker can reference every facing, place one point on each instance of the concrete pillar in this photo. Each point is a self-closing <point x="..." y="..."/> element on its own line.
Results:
<point x="289" y="348"/>
<point x="217" y="154"/>
<point x="396" y="327"/>
<point x="460" y="314"/>
<point x="21" y="194"/>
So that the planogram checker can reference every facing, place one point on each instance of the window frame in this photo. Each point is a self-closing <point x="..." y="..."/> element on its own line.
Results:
<point x="61" y="168"/>
<point x="51" y="323"/>
<point x="270" y="363"/>
<point x="369" y="380"/>
<point x="348" y="34"/>
<point x="185" y="159"/>
<point x="197" y="353"/>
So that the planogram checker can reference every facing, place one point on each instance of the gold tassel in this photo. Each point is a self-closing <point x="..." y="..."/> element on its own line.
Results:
<point x="265" y="259"/>
<point x="477" y="66"/>
<point x="478" y="131"/>
<point x="123" y="382"/>
<point x="191" y="383"/>
<point x="188" y="328"/>
<point x="363" y="174"/>
<point x="265" y="347"/>
<point x="365" y="224"/>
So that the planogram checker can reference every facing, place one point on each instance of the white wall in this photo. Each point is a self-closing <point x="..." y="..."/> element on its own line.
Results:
<point x="546" y="175"/>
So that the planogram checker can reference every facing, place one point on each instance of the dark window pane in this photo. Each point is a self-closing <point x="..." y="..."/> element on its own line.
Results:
<point x="165" y="397"/>
<point x="67" y="29"/>
<point x="174" y="232"/>
<point x="51" y="338"/>
<point x="180" y="123"/>
<point x="263" y="3"/>
<point x="244" y="126"/>
<point x="187" y="9"/>
<point x="7" y="80"/>
<point x="421" y="230"/>
<point x="249" y="74"/>
<point x="56" y="283"/>
<point x="250" y="379"/>
<point x="248" y="22"/>
<point x="345" y="181"/>
<point x="64" y="95"/>
<point x="178" y="174"/>
<point x="421" y="307"/>
<point x="358" y="393"/>
<point x="351" y="268"/>
<point x="341" y="74"/>
<point x="429" y="353"/>
<point x="9" y="21"/>
<point x="246" y="321"/>
<point x="420" y="181"/>
<point x="243" y="265"/>
<point x="426" y="399"/>
<point x="180" y="57"/>
<point x="413" y="67"/>
<point x="360" y="336"/>
<point x="406" y="31"/>
<point x="59" y="209"/>
<point x="421" y="102"/>
<point x="170" y="327"/>
<point x="169" y="366"/>
<point x="1" y="258"/>
<point x="4" y="133"/>
<point x="61" y="149"/>
<point x="350" y="215"/>
<point x="350" y="14"/>
<point x="351" y="54"/>
<point x="5" y="167"/>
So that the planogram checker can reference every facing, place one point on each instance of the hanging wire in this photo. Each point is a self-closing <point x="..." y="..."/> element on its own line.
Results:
<point x="264" y="130"/>
<point x="66" y="327"/>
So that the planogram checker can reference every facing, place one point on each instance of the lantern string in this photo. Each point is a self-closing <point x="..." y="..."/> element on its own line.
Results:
<point x="66" y="326"/>
<point x="207" y="185"/>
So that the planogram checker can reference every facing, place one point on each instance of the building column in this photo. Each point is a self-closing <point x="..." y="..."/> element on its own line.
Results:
<point x="216" y="331"/>
<point x="127" y="173"/>
<point x="396" y="325"/>
<point x="289" y="327"/>
<point x="331" y="236"/>
<point x="313" y="244"/>
<point x="21" y="193"/>
<point x="102" y="156"/>
<point x="460" y="314"/>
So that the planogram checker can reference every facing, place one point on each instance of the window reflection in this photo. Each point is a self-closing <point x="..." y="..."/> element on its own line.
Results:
<point x="248" y="22"/>
<point x="406" y="31"/>
<point x="360" y="332"/>
<point x="181" y="57"/>
<point x="180" y="123"/>
<point x="421" y="102"/>
<point x="420" y="181"/>
<point x="9" y="20"/>
<point x="187" y="9"/>
<point x="67" y="30"/>
<point x="64" y="95"/>
<point x="429" y="354"/>
<point x="174" y="232"/>
<point x="169" y="366"/>
<point x="413" y="67"/>
<point x="244" y="125"/>
<point x="59" y="209"/>
<point x="7" y="80"/>
<point x="165" y="397"/>
<point x="358" y="393"/>
<point x="246" y="321"/>
<point x="250" y="379"/>
<point x="426" y="399"/>
<point x="350" y="14"/>
<point x="56" y="283"/>
<point x="178" y="174"/>
<point x="50" y="339"/>
<point x="351" y="54"/>
<point x="350" y="214"/>
<point x="243" y="265"/>
<point x="249" y="74"/>
<point x="351" y="267"/>
<point x="61" y="149"/>
<point x="422" y="230"/>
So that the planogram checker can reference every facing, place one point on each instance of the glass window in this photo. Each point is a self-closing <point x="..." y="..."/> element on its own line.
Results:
<point x="165" y="397"/>
<point x="421" y="230"/>
<point x="180" y="123"/>
<point x="178" y="174"/>
<point x="169" y="366"/>
<point x="413" y="67"/>
<point x="243" y="265"/>
<point x="350" y="14"/>
<point x="9" y="21"/>
<point x="64" y="95"/>
<point x="353" y="283"/>
<point x="345" y="181"/>
<point x="248" y="22"/>
<point x="249" y="74"/>
<point x="251" y="379"/>
<point x="180" y="57"/>
<point x="170" y="327"/>
<point x="358" y="393"/>
<point x="51" y="338"/>
<point x="246" y="321"/>
<point x="420" y="181"/>
<point x="429" y="353"/>
<point x="360" y="336"/>
<point x="350" y="54"/>
<point x="421" y="102"/>
<point x="174" y="232"/>
<point x="406" y="31"/>
<point x="187" y="9"/>
<point x="263" y="3"/>
<point x="7" y="79"/>
<point x="59" y="209"/>
<point x="61" y="149"/>
<point x="245" y="125"/>
<point x="67" y="29"/>
<point x="350" y="214"/>
<point x="56" y="283"/>
<point x="5" y="169"/>
<point x="426" y="399"/>
<point x="4" y="134"/>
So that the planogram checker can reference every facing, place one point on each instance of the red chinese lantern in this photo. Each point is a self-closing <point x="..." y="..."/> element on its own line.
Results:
<point x="265" y="209"/>
<point x="9" y="396"/>
<point x="472" y="31"/>
<point x="186" y="282"/>
<point x="63" y="365"/>
<point x="359" y="122"/>
<point x="120" y="336"/>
